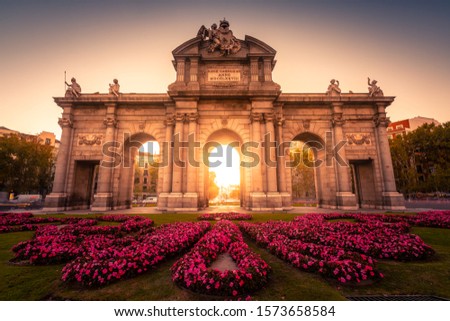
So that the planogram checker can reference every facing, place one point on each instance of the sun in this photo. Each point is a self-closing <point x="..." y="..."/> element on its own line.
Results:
<point x="224" y="161"/>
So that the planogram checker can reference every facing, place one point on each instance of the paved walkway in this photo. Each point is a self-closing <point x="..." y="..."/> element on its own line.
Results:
<point x="218" y="209"/>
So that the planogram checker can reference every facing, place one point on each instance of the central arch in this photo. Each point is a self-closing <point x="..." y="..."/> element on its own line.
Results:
<point x="229" y="138"/>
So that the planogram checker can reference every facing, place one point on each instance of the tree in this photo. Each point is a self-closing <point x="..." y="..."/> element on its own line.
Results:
<point x="421" y="159"/>
<point x="213" y="189"/>
<point x="26" y="165"/>
<point x="303" y="185"/>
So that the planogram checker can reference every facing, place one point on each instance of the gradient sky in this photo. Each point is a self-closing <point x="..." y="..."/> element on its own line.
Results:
<point x="405" y="45"/>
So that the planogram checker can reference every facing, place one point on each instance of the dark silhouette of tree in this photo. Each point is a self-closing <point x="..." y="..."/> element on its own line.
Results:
<point x="421" y="159"/>
<point x="26" y="165"/>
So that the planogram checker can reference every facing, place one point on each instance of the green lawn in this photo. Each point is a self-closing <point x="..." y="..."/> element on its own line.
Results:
<point x="287" y="283"/>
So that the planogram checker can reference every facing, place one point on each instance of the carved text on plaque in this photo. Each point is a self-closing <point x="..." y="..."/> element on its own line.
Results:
<point x="224" y="75"/>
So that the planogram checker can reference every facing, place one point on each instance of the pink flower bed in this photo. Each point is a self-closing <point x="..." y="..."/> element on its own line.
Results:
<point x="16" y="222"/>
<point x="105" y="264"/>
<point x="193" y="270"/>
<point x="224" y="216"/>
<point x="54" y="244"/>
<point x="438" y="219"/>
<point x="373" y="238"/>
<point x="342" y="250"/>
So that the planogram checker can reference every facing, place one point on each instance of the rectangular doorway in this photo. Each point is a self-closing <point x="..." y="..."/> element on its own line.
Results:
<point x="85" y="184"/>
<point x="364" y="183"/>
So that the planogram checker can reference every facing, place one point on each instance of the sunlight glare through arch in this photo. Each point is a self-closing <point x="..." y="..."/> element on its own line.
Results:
<point x="225" y="163"/>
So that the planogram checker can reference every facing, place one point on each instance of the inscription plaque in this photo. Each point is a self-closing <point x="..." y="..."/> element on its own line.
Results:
<point x="224" y="75"/>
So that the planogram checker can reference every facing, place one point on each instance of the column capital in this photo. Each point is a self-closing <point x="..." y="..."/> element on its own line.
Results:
<point x="65" y="122"/>
<point x="110" y="122"/>
<point x="193" y="117"/>
<point x="380" y="120"/>
<point x="180" y="117"/>
<point x="170" y="120"/>
<point x="256" y="117"/>
<point x="279" y="120"/>
<point x="337" y="120"/>
<point x="269" y="117"/>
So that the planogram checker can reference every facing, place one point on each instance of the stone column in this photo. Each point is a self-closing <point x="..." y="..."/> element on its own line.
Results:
<point x="194" y="70"/>
<point x="193" y="79"/>
<point x="267" y="70"/>
<point x="103" y="197"/>
<point x="270" y="152"/>
<point x="391" y="198"/>
<point x="257" y="196"/>
<point x="180" y="69"/>
<point x="56" y="201"/>
<point x="175" y="200"/>
<point x="167" y="170"/>
<point x="281" y="164"/>
<point x="254" y="74"/>
<point x="346" y="200"/>
<point x="190" y="198"/>
<point x="273" y="196"/>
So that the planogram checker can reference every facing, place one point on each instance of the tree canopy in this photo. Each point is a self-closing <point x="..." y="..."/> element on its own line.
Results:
<point x="26" y="166"/>
<point x="421" y="159"/>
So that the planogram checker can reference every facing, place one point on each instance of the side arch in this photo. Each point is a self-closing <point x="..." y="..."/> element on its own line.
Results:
<point x="324" y="171"/>
<point x="124" y="177"/>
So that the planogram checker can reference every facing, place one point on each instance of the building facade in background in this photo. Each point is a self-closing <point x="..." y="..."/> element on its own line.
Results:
<point x="402" y="127"/>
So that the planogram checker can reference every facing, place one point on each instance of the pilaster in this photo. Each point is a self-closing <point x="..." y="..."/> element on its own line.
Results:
<point x="391" y="198"/>
<point x="175" y="198"/>
<point x="257" y="196"/>
<point x="346" y="200"/>
<point x="103" y="198"/>
<point x="190" y="198"/>
<point x="56" y="201"/>
<point x="167" y="170"/>
<point x="273" y="195"/>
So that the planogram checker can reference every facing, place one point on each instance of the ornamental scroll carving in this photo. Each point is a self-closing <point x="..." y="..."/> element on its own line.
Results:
<point x="358" y="139"/>
<point x="89" y="139"/>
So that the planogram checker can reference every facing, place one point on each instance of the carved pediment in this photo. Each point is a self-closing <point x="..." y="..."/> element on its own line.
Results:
<point x="250" y="46"/>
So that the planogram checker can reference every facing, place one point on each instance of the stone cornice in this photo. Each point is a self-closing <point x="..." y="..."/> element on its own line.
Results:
<point x="124" y="99"/>
<point x="323" y="99"/>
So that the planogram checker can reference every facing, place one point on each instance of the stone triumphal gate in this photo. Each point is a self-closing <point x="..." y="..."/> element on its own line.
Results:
<point x="224" y="93"/>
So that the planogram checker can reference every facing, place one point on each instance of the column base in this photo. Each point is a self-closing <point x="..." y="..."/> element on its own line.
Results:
<point x="174" y="200"/>
<point x="178" y="202"/>
<point x="286" y="200"/>
<point x="162" y="201"/>
<point x="346" y="201"/>
<point x="274" y="201"/>
<point x="190" y="200"/>
<point x="102" y="202"/>
<point x="257" y="201"/>
<point x="393" y="201"/>
<point x="55" y="202"/>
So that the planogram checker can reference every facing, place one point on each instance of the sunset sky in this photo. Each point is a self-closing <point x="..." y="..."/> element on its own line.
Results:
<point x="404" y="45"/>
